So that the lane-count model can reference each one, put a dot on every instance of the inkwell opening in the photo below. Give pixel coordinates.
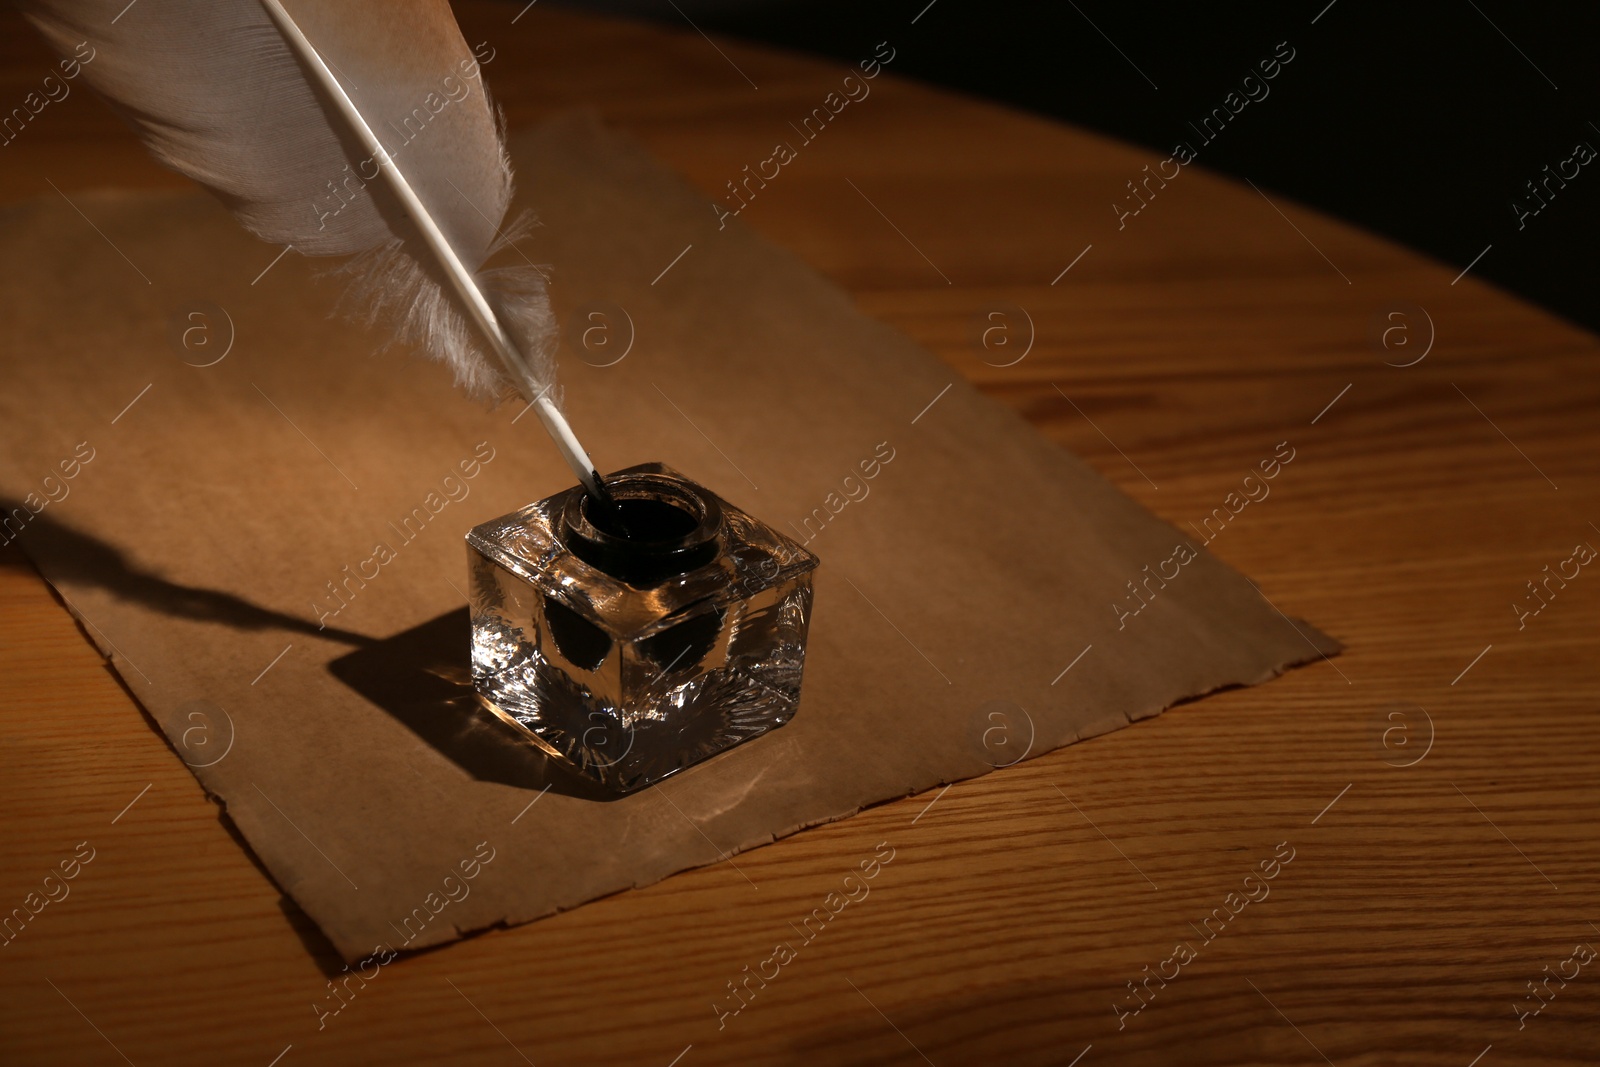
(663, 527)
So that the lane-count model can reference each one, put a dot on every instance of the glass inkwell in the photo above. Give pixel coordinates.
(629, 646)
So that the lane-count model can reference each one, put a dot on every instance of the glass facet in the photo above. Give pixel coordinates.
(696, 647)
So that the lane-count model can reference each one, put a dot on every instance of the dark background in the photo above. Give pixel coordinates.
(1420, 121)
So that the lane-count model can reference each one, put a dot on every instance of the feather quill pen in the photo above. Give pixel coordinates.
(351, 127)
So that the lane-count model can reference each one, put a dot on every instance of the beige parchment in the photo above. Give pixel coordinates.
(211, 509)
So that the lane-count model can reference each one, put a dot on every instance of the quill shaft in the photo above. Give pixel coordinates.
(461, 276)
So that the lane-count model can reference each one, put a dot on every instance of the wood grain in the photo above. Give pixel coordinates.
(1175, 354)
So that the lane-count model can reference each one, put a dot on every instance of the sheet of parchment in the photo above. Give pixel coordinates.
(195, 453)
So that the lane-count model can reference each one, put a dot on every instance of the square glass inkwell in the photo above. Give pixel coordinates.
(632, 644)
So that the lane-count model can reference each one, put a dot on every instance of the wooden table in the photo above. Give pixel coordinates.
(1437, 783)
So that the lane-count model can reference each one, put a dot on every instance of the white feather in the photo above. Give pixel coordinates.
(358, 127)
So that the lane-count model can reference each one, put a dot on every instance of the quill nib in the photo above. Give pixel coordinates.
(608, 503)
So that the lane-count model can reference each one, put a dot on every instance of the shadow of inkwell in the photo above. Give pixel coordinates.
(422, 678)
